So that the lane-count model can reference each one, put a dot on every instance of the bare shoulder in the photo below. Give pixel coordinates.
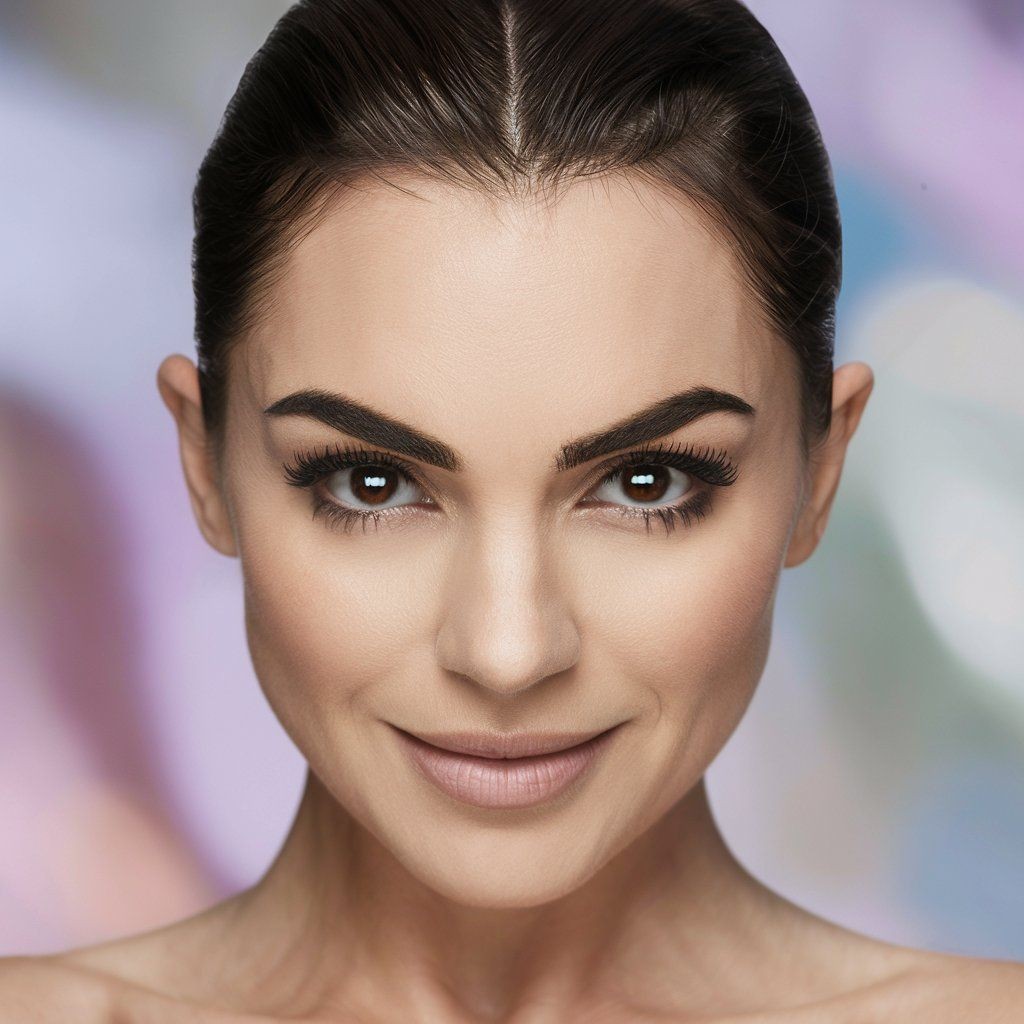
(151, 976)
(859, 978)
(42, 990)
(94, 986)
(960, 988)
(940, 989)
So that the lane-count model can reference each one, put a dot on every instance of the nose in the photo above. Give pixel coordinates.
(506, 623)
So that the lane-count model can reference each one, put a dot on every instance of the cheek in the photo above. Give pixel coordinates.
(328, 617)
(727, 638)
(689, 625)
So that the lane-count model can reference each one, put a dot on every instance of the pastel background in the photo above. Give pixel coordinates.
(878, 778)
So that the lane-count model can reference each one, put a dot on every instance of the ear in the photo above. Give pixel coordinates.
(178, 382)
(851, 387)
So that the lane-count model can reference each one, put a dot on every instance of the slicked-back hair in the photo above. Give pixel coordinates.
(508, 96)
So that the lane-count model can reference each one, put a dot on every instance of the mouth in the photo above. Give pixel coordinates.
(511, 771)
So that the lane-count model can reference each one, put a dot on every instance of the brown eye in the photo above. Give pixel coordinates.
(371, 487)
(644, 484)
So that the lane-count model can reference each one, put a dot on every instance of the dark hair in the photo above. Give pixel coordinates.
(504, 94)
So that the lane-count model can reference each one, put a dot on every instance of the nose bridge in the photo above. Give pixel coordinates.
(507, 624)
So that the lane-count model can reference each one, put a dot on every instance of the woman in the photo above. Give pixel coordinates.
(514, 397)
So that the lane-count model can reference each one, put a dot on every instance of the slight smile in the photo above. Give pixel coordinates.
(511, 771)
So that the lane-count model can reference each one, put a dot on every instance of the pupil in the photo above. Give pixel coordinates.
(646, 483)
(372, 484)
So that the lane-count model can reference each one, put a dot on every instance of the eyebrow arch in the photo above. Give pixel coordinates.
(358, 420)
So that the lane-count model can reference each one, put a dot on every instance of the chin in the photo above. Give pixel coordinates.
(501, 868)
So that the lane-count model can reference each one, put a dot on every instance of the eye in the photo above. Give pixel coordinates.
(645, 484)
(654, 479)
(352, 485)
(371, 487)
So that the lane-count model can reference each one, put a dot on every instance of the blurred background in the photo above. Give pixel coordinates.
(878, 777)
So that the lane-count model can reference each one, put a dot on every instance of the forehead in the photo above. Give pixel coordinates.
(434, 303)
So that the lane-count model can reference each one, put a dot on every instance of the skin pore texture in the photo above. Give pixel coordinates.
(506, 602)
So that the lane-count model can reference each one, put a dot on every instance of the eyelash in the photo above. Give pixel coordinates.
(710, 466)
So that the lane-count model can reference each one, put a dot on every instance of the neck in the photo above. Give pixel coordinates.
(338, 923)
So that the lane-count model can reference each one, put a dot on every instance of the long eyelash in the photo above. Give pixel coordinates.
(310, 467)
(710, 464)
(707, 464)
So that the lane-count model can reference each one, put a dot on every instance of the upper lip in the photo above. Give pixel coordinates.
(505, 745)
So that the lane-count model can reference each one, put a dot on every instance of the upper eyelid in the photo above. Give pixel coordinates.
(353, 456)
(704, 455)
(350, 457)
(659, 452)
(713, 467)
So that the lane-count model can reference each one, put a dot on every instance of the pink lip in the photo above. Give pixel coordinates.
(509, 777)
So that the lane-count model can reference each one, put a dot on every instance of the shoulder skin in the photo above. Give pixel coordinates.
(52, 990)
(969, 989)
(951, 989)
(37, 990)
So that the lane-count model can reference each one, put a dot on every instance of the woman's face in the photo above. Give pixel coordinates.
(510, 587)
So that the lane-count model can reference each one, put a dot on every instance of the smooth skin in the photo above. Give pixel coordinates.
(506, 601)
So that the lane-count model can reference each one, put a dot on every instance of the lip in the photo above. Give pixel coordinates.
(510, 745)
(517, 770)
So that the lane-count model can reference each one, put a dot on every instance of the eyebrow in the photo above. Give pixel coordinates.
(360, 421)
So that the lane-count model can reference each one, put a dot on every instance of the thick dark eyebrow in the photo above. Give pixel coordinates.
(657, 420)
(357, 420)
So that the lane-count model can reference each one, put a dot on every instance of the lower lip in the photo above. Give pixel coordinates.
(503, 782)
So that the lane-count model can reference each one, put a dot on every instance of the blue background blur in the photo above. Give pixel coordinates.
(878, 777)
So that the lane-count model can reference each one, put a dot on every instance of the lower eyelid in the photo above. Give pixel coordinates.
(691, 497)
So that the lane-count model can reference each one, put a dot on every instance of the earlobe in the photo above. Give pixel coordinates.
(852, 384)
(178, 384)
